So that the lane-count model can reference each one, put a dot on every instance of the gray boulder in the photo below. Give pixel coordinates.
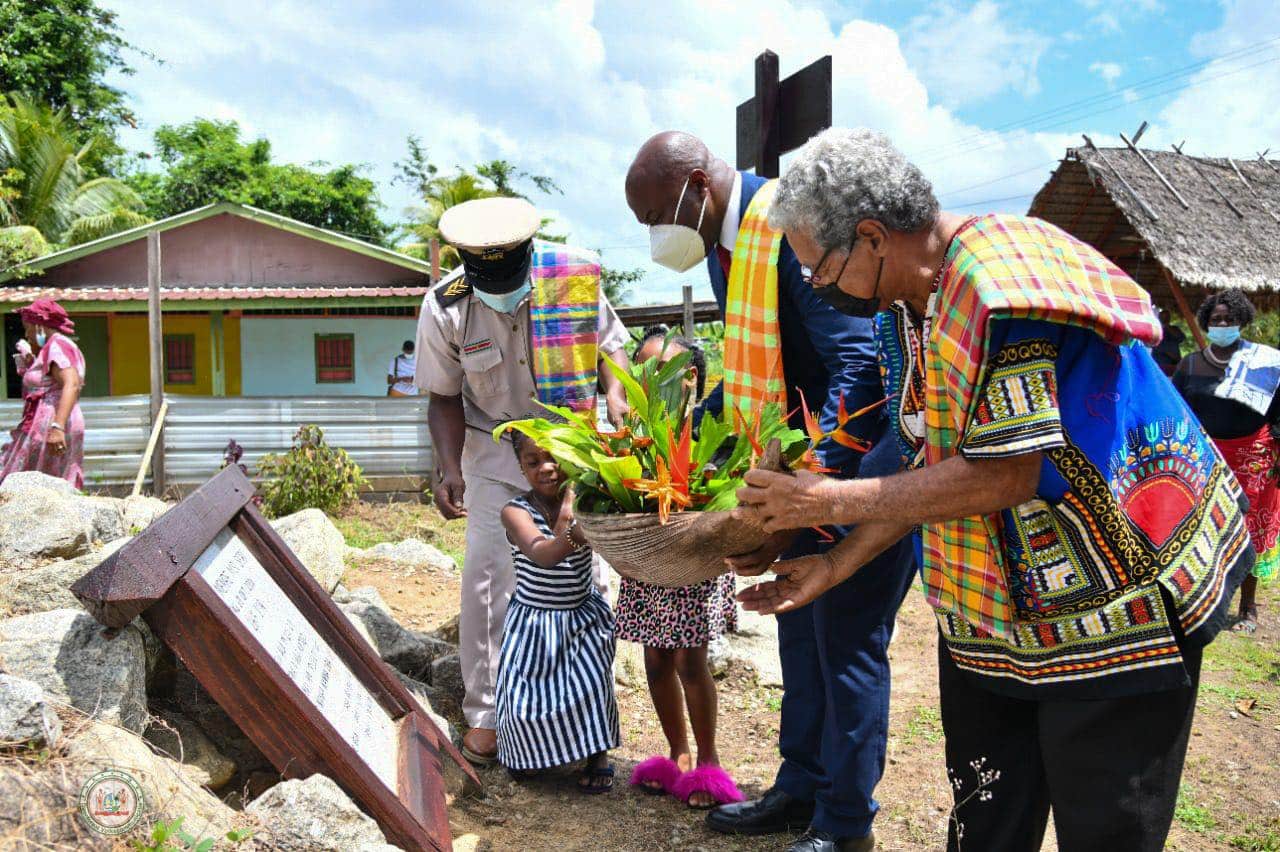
(140, 510)
(79, 662)
(104, 515)
(25, 480)
(170, 789)
(45, 587)
(446, 679)
(40, 810)
(25, 717)
(314, 814)
(428, 698)
(181, 739)
(413, 552)
(316, 542)
(410, 652)
(38, 524)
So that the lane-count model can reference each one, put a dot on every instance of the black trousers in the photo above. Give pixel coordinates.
(1109, 768)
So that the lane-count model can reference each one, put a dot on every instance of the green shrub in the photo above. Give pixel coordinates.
(311, 475)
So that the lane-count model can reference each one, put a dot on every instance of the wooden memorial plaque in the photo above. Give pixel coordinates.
(216, 584)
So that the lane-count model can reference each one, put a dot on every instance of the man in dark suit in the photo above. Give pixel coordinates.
(834, 652)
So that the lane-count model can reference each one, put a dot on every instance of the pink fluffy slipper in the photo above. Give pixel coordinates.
(712, 780)
(657, 768)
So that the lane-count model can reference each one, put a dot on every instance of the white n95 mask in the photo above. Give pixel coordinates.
(678, 247)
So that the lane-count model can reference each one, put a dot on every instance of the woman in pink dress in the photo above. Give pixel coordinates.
(50, 436)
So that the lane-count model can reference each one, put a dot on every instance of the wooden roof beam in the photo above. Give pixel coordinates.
(1146, 208)
(1164, 180)
(1195, 166)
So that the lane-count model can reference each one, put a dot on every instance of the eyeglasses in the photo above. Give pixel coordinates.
(808, 275)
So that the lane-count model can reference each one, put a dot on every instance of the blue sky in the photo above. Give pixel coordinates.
(972, 90)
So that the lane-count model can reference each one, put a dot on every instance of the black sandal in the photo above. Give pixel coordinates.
(590, 774)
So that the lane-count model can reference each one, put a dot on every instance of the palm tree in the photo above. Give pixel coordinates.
(46, 185)
(443, 193)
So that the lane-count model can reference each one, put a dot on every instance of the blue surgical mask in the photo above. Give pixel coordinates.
(41, 337)
(1223, 335)
(505, 303)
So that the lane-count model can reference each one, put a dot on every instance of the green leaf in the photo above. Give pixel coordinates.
(613, 470)
(635, 393)
(711, 434)
(725, 500)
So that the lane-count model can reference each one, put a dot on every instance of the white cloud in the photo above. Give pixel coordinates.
(570, 89)
(1229, 107)
(1108, 71)
(995, 55)
(1106, 23)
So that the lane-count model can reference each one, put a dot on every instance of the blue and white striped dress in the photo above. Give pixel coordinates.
(555, 677)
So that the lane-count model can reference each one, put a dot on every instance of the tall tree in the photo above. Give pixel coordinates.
(59, 52)
(439, 192)
(206, 161)
(45, 187)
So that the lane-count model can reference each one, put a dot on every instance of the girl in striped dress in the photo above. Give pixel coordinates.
(555, 675)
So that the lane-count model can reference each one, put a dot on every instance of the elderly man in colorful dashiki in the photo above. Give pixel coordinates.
(1081, 537)
(524, 321)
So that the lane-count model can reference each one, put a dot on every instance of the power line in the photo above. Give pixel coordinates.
(1074, 119)
(1158, 79)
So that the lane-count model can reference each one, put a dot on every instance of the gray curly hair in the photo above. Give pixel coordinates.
(843, 176)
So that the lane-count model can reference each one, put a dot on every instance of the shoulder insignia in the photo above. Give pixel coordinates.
(453, 291)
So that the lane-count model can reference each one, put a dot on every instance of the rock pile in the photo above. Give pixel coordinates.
(76, 697)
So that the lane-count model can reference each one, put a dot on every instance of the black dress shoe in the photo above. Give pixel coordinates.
(773, 812)
(814, 840)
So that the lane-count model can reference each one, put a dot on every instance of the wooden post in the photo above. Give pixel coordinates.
(688, 311)
(767, 138)
(1183, 308)
(435, 260)
(156, 337)
(218, 353)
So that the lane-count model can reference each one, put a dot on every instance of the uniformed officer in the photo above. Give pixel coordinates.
(476, 354)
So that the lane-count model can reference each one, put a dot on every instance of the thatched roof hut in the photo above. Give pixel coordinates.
(1179, 225)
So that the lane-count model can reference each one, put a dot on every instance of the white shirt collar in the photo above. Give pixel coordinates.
(732, 217)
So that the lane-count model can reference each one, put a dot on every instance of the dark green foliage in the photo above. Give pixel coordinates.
(312, 475)
(59, 52)
(206, 161)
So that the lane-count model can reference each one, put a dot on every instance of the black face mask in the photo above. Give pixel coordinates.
(854, 306)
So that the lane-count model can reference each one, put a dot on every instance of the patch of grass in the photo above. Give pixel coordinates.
(1193, 815)
(365, 524)
(1258, 838)
(925, 724)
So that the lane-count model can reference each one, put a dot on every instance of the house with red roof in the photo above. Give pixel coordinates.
(253, 304)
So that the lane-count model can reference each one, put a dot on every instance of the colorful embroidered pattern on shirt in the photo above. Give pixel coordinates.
(752, 341)
(1013, 267)
(1133, 497)
(564, 316)
(899, 349)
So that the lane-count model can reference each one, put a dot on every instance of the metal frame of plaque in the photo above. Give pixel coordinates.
(340, 708)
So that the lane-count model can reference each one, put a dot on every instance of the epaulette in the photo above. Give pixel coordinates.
(452, 291)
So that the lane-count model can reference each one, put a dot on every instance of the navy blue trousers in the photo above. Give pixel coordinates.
(835, 694)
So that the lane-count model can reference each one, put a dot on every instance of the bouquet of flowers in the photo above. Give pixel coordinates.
(653, 496)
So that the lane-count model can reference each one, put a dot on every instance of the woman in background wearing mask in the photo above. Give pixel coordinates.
(1231, 386)
(50, 436)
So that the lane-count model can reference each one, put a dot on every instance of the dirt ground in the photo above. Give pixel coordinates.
(1230, 794)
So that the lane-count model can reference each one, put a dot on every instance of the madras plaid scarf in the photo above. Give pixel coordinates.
(1004, 267)
(752, 342)
(564, 318)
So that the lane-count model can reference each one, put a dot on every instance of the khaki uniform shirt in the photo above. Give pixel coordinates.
(465, 347)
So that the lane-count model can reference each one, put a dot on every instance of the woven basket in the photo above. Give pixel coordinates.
(689, 548)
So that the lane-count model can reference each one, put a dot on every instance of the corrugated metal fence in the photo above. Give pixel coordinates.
(385, 436)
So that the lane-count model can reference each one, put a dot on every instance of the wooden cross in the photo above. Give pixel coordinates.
(783, 115)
